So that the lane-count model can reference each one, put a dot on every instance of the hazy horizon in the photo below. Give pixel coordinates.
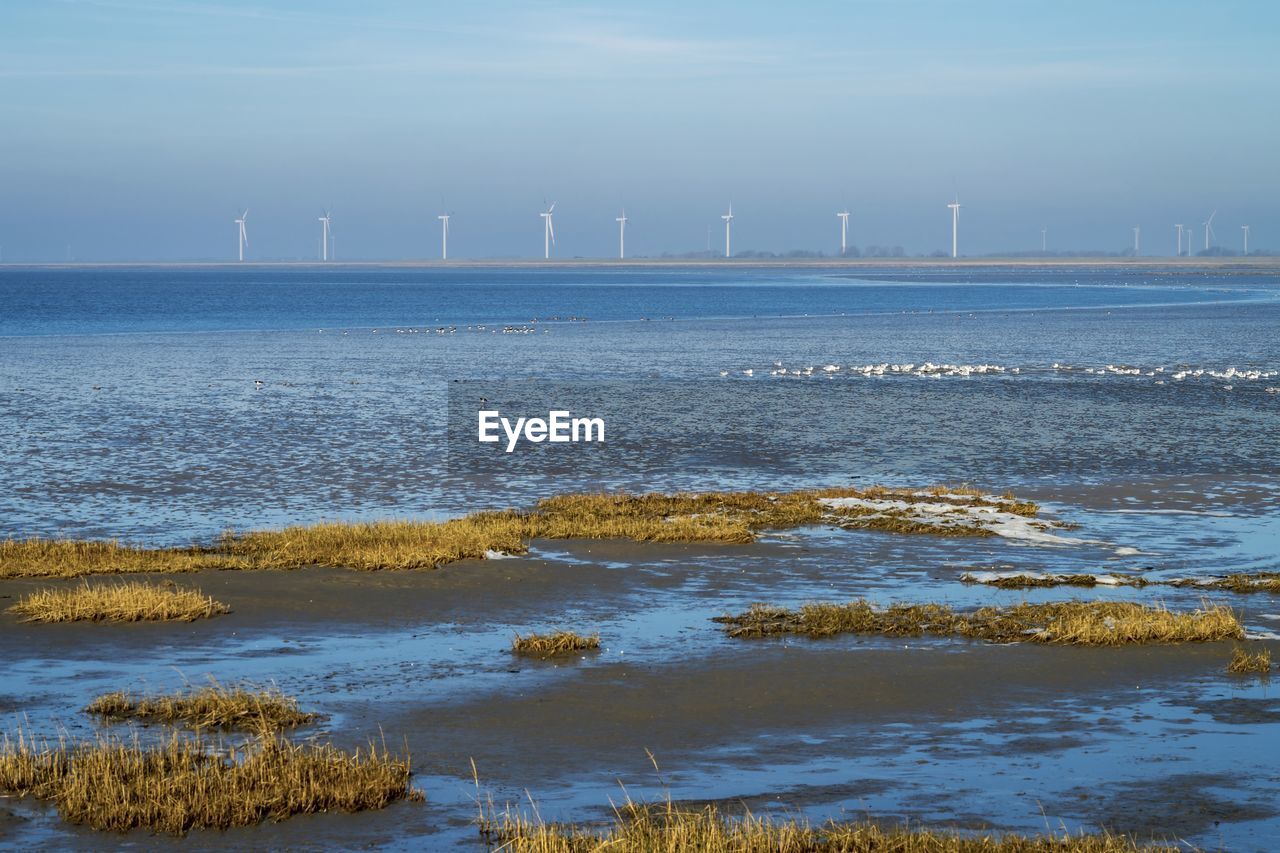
(137, 130)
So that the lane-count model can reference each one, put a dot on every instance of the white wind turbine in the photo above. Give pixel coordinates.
(1044, 238)
(1245, 229)
(843, 216)
(1137, 239)
(1179, 252)
(955, 226)
(548, 232)
(622, 234)
(444, 235)
(728, 225)
(1208, 230)
(244, 237)
(326, 234)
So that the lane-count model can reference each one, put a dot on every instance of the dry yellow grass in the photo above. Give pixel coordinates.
(118, 602)
(1051, 580)
(1244, 663)
(636, 829)
(1240, 582)
(556, 643)
(1093, 623)
(213, 707)
(183, 784)
(725, 517)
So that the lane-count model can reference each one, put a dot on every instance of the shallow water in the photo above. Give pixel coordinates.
(129, 408)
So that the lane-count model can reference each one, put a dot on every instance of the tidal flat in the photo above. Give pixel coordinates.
(847, 727)
(1137, 408)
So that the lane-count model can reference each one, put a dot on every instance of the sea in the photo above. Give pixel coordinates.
(1139, 405)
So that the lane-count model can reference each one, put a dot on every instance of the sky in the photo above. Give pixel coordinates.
(137, 129)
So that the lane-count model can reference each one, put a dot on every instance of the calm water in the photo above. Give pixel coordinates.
(166, 405)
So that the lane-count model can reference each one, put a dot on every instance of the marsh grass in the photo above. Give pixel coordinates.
(668, 827)
(554, 644)
(717, 517)
(1244, 663)
(1050, 580)
(1257, 582)
(1095, 623)
(242, 707)
(134, 601)
(185, 784)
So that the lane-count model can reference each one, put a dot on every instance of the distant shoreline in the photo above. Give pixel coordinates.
(1223, 264)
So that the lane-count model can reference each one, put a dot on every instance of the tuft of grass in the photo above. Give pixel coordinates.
(118, 602)
(553, 644)
(213, 707)
(722, 517)
(1244, 663)
(1240, 582)
(1051, 580)
(183, 784)
(1095, 623)
(641, 829)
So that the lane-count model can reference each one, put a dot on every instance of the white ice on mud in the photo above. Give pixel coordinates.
(944, 514)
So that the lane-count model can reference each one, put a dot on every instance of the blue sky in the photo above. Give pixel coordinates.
(134, 129)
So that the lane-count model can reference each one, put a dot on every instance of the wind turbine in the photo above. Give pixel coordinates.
(1208, 229)
(1245, 229)
(955, 226)
(728, 224)
(844, 230)
(444, 236)
(326, 234)
(1137, 239)
(622, 234)
(1179, 252)
(1044, 238)
(548, 232)
(244, 237)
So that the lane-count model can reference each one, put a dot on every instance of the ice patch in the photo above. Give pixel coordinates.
(945, 515)
(1261, 635)
(498, 555)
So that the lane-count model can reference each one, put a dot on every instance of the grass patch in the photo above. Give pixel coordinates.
(213, 707)
(724, 517)
(1244, 663)
(638, 829)
(1094, 623)
(551, 645)
(1257, 582)
(1029, 581)
(118, 602)
(182, 784)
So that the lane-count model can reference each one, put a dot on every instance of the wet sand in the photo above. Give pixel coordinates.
(1149, 740)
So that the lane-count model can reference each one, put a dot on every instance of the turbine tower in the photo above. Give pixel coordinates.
(1044, 238)
(844, 231)
(326, 235)
(622, 234)
(728, 225)
(548, 232)
(1137, 240)
(244, 237)
(1208, 229)
(955, 226)
(444, 236)
(1245, 229)
(1178, 253)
